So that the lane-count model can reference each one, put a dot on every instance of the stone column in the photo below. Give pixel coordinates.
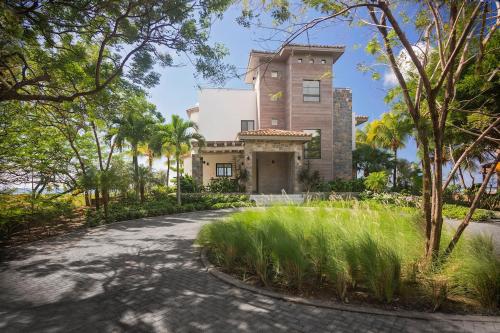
(297, 166)
(197, 168)
(248, 162)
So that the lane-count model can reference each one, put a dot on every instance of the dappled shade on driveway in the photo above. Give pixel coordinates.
(145, 276)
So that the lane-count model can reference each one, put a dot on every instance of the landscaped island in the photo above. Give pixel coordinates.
(354, 252)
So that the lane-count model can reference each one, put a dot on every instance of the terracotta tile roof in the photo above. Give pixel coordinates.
(361, 119)
(321, 46)
(273, 132)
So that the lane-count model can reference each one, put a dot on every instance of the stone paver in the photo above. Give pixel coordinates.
(145, 276)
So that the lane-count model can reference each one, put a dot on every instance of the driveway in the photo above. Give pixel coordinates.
(145, 276)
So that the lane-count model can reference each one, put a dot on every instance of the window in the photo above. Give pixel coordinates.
(247, 125)
(323, 61)
(310, 89)
(223, 169)
(274, 122)
(311, 61)
(299, 60)
(312, 149)
(275, 74)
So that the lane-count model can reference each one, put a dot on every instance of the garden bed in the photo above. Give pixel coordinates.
(360, 256)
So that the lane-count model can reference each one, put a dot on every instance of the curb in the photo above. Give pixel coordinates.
(211, 269)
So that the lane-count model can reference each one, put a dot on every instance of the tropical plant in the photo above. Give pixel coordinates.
(376, 181)
(180, 133)
(390, 132)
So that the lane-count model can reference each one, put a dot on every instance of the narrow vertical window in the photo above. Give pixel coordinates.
(323, 61)
(274, 122)
(275, 74)
(299, 60)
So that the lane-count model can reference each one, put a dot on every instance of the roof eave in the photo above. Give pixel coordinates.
(274, 138)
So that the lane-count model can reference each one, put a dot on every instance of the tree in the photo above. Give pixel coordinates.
(135, 126)
(180, 133)
(62, 50)
(390, 132)
(428, 65)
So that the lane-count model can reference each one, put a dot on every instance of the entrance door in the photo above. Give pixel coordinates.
(273, 172)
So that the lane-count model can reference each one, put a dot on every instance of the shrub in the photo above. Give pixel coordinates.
(188, 185)
(339, 185)
(223, 185)
(309, 179)
(458, 212)
(376, 181)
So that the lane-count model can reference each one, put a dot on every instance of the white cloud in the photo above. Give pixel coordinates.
(405, 64)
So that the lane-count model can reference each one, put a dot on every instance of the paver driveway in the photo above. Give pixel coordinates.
(144, 276)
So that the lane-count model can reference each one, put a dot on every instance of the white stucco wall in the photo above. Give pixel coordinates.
(222, 110)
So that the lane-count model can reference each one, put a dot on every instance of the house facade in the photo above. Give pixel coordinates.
(292, 117)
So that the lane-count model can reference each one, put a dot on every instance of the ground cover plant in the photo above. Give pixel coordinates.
(367, 252)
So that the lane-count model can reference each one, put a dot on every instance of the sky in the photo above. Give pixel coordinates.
(178, 88)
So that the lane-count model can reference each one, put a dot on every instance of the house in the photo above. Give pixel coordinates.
(292, 117)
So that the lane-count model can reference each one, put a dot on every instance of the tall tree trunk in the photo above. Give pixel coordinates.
(135, 161)
(179, 202)
(395, 172)
(105, 203)
(437, 199)
(87, 198)
(97, 203)
(168, 170)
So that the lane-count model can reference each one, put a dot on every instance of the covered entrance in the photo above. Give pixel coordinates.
(273, 159)
(273, 172)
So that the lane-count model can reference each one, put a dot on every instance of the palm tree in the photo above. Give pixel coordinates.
(145, 149)
(180, 133)
(390, 132)
(135, 127)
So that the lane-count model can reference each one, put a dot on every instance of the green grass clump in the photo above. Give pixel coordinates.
(347, 246)
(294, 246)
(474, 271)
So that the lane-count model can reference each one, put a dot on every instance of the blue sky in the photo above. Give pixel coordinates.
(178, 88)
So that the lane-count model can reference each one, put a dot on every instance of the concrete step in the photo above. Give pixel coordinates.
(270, 199)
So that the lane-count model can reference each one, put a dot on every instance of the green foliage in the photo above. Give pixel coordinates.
(294, 247)
(453, 211)
(19, 212)
(188, 185)
(376, 181)
(223, 185)
(308, 178)
(340, 185)
(75, 49)
(128, 210)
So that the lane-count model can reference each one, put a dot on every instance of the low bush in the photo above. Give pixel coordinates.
(223, 185)
(452, 211)
(376, 181)
(340, 185)
(127, 210)
(19, 212)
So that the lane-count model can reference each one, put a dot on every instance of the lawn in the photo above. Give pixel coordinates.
(368, 253)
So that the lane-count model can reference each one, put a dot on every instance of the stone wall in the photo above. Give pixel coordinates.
(342, 133)
(197, 169)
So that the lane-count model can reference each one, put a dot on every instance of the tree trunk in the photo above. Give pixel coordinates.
(395, 173)
(472, 209)
(87, 198)
(97, 204)
(168, 170)
(437, 199)
(105, 203)
(179, 202)
(135, 161)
